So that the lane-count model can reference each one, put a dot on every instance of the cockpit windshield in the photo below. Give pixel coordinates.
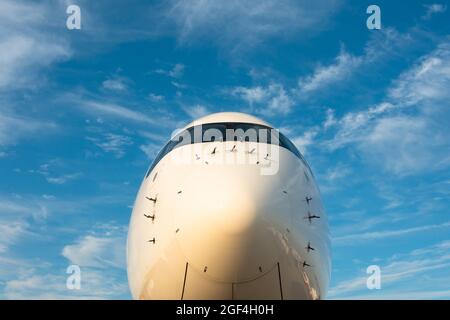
(230, 131)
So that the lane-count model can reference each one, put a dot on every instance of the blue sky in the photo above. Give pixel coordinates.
(83, 113)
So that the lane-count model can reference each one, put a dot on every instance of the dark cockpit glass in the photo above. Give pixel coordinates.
(232, 131)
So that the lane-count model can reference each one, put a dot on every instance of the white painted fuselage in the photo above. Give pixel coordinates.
(212, 221)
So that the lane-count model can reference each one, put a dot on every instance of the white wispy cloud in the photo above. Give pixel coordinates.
(251, 95)
(119, 111)
(432, 9)
(352, 125)
(10, 232)
(16, 207)
(156, 97)
(346, 222)
(52, 172)
(15, 289)
(242, 25)
(101, 248)
(427, 81)
(400, 268)
(62, 179)
(178, 85)
(303, 141)
(274, 98)
(267, 100)
(176, 72)
(14, 127)
(410, 118)
(323, 76)
(330, 119)
(27, 43)
(196, 111)
(16, 219)
(42, 284)
(118, 84)
(381, 46)
(338, 172)
(357, 238)
(100, 253)
(111, 142)
(395, 141)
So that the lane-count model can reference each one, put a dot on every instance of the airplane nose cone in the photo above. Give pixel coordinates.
(225, 206)
(223, 226)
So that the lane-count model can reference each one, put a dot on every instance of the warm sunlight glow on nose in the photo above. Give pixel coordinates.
(228, 207)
